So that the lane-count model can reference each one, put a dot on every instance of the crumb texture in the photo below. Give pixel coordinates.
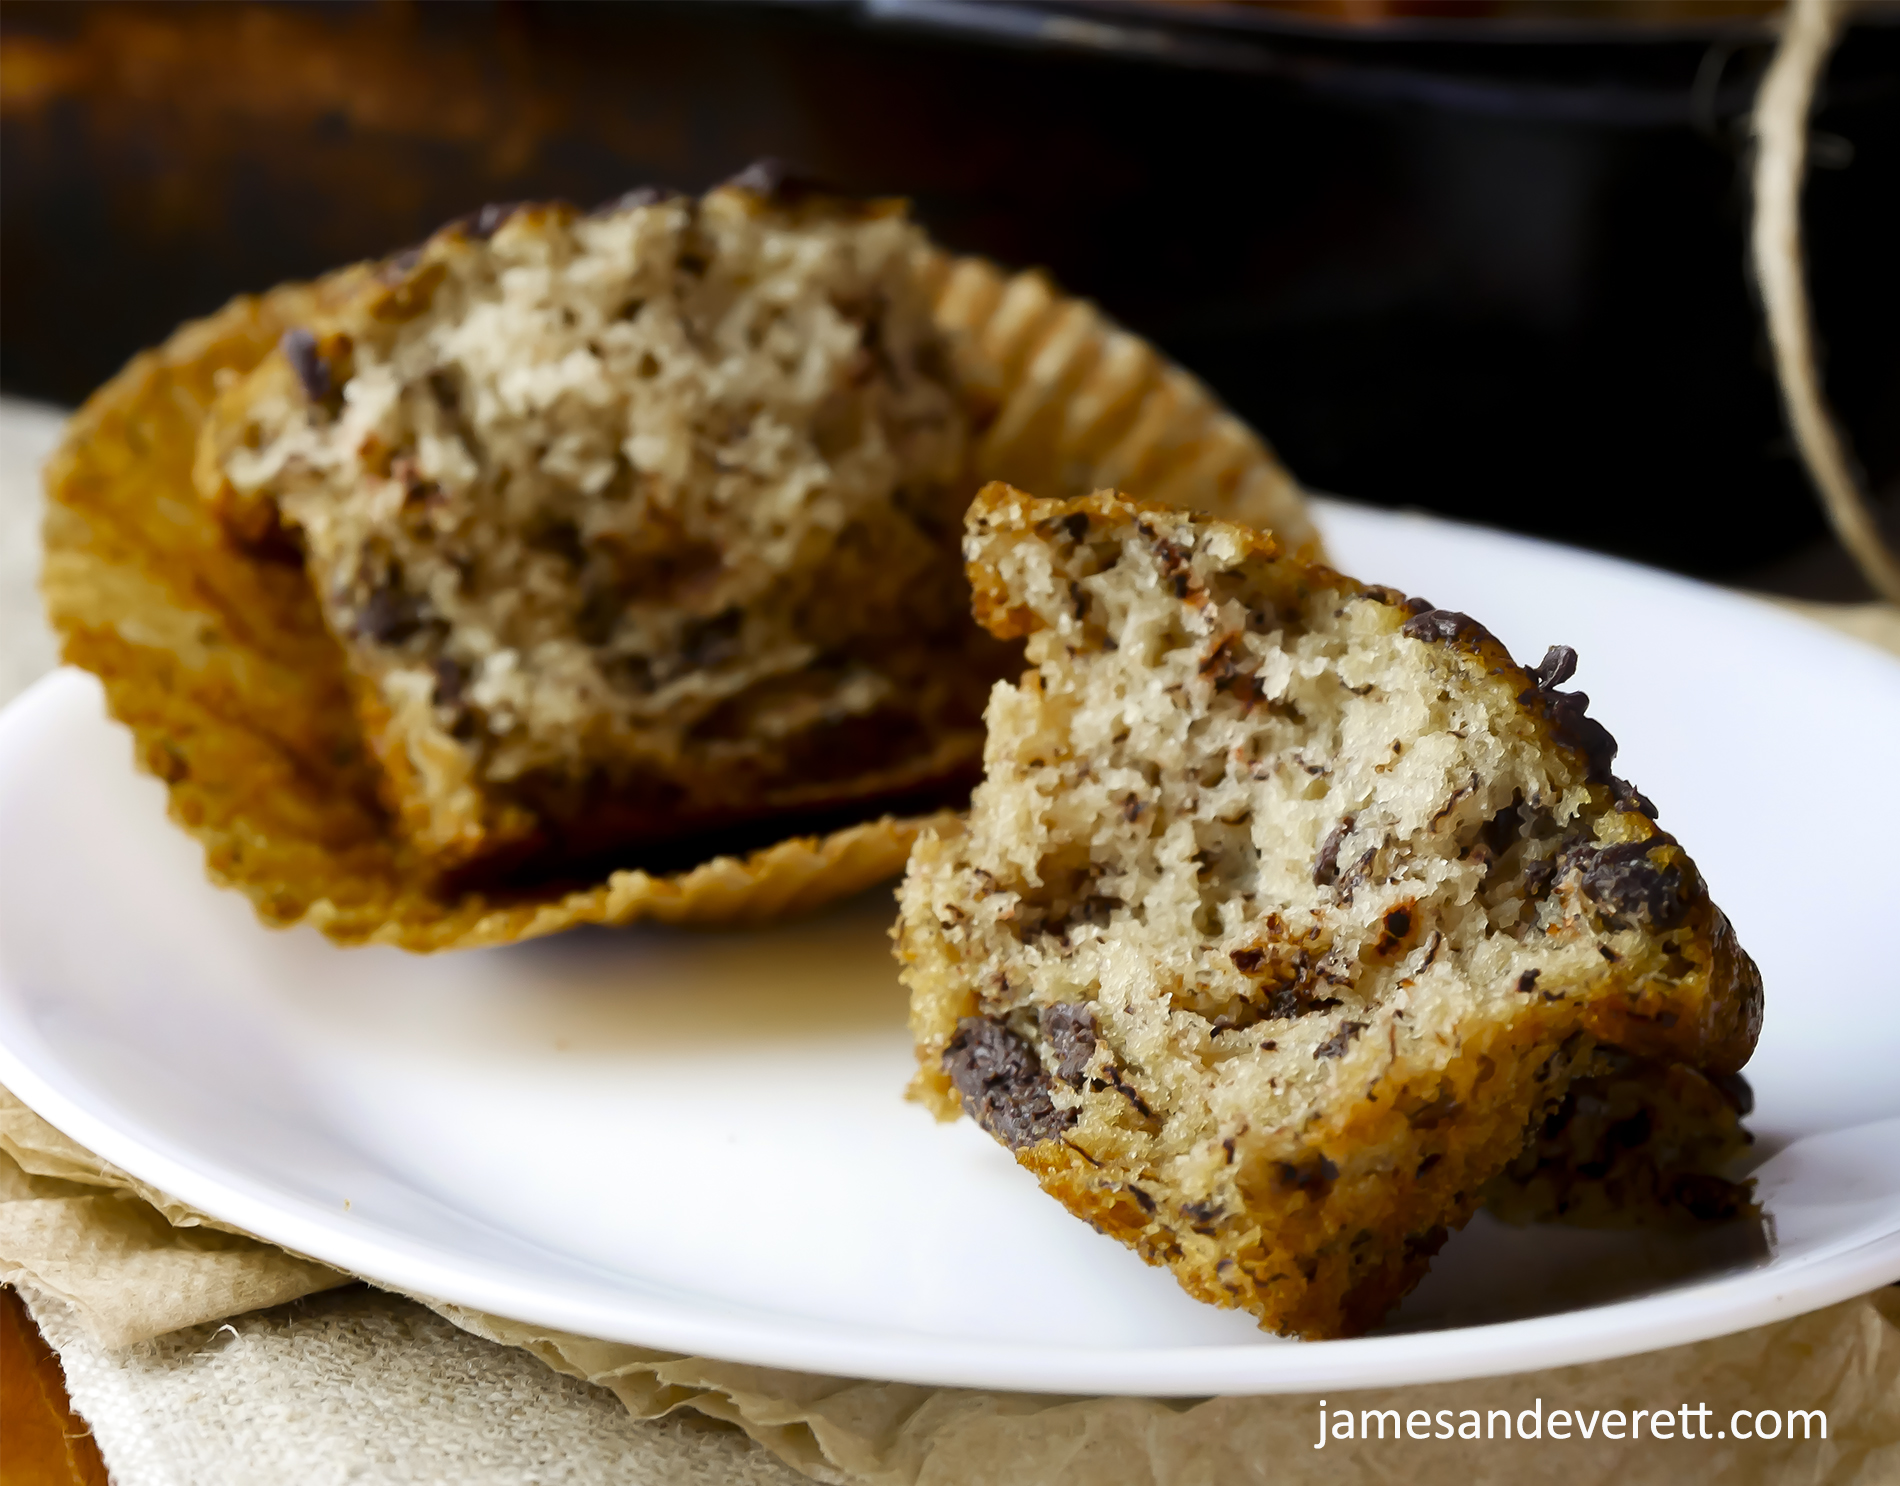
(1286, 906)
(630, 523)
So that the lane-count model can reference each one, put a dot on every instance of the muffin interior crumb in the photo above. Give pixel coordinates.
(655, 507)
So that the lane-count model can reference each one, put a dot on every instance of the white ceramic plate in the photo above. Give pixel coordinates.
(698, 1142)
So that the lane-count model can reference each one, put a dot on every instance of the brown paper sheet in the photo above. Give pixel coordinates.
(136, 1264)
(132, 1261)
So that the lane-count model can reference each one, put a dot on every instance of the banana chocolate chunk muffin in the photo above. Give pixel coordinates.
(633, 526)
(1287, 907)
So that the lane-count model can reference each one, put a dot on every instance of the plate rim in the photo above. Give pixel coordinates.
(1674, 1316)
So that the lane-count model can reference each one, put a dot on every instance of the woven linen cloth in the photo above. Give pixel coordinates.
(354, 1385)
(348, 1383)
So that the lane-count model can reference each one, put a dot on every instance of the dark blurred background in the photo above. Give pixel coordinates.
(1478, 264)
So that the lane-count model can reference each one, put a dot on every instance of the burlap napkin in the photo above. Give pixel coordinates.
(306, 1381)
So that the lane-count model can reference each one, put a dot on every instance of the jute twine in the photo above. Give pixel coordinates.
(1809, 32)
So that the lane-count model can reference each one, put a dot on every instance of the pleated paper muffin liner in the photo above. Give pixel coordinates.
(1067, 402)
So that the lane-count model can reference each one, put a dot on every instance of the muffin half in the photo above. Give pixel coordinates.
(632, 527)
(1287, 906)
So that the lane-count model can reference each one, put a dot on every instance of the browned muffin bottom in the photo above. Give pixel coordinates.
(1286, 908)
(638, 529)
(1634, 1142)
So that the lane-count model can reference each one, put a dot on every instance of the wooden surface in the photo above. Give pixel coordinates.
(42, 1441)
